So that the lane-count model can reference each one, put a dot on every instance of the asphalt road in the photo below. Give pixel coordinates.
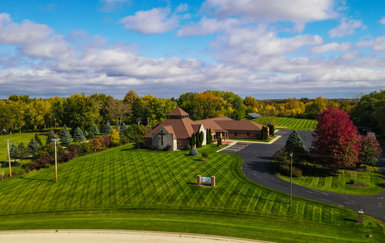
(256, 167)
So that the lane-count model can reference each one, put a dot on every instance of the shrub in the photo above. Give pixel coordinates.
(114, 137)
(281, 163)
(51, 135)
(219, 143)
(94, 129)
(193, 151)
(370, 150)
(105, 141)
(167, 148)
(84, 149)
(187, 147)
(265, 133)
(205, 154)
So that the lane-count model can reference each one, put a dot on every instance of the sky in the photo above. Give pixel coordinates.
(265, 49)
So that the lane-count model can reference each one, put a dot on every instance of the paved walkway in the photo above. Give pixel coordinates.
(256, 166)
(110, 236)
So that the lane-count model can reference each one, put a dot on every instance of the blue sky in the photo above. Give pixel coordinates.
(266, 49)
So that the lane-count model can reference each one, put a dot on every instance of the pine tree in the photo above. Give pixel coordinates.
(78, 135)
(88, 135)
(38, 140)
(14, 151)
(108, 128)
(295, 143)
(123, 128)
(94, 129)
(271, 129)
(200, 139)
(51, 135)
(33, 145)
(65, 137)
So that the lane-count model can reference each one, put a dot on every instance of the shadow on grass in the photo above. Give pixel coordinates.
(36, 179)
(350, 220)
(381, 185)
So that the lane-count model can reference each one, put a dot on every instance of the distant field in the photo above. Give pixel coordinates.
(289, 123)
(16, 138)
(124, 188)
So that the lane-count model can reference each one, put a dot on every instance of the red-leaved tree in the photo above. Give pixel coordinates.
(336, 142)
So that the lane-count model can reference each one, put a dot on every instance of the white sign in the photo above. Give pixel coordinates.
(205, 179)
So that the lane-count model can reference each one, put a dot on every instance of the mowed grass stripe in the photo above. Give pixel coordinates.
(289, 123)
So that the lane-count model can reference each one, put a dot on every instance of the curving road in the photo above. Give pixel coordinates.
(256, 167)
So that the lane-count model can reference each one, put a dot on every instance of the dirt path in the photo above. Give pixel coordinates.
(109, 236)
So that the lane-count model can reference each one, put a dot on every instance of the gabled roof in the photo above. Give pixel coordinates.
(239, 125)
(182, 128)
(177, 112)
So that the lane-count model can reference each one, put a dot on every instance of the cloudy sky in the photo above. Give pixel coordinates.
(266, 49)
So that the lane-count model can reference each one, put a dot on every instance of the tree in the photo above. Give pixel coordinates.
(108, 128)
(208, 105)
(94, 129)
(115, 137)
(135, 134)
(271, 129)
(130, 97)
(123, 128)
(265, 133)
(80, 111)
(38, 140)
(13, 152)
(209, 137)
(51, 135)
(78, 135)
(33, 145)
(65, 137)
(118, 110)
(335, 141)
(295, 145)
(370, 150)
(200, 136)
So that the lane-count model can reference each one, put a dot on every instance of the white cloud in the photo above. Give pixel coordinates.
(154, 21)
(382, 21)
(345, 28)
(331, 47)
(207, 26)
(377, 44)
(297, 11)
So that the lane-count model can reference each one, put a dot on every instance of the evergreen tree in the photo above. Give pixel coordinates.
(38, 140)
(295, 143)
(123, 128)
(94, 129)
(33, 145)
(265, 133)
(108, 128)
(219, 143)
(200, 139)
(86, 135)
(14, 151)
(271, 129)
(117, 128)
(51, 135)
(65, 137)
(78, 135)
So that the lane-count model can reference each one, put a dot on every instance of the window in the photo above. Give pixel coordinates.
(235, 134)
(248, 134)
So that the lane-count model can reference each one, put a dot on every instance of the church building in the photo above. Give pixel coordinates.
(176, 131)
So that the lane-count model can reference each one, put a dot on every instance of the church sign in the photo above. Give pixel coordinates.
(205, 179)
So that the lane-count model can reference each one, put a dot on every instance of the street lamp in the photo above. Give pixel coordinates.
(55, 140)
(291, 176)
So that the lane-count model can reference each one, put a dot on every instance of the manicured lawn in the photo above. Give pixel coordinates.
(16, 138)
(254, 140)
(123, 188)
(289, 123)
(337, 183)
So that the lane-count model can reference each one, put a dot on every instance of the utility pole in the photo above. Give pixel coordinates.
(55, 140)
(291, 178)
(9, 160)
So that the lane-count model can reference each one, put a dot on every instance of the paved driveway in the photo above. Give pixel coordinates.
(256, 167)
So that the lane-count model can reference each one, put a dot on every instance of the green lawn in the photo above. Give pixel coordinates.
(123, 188)
(337, 183)
(289, 123)
(16, 138)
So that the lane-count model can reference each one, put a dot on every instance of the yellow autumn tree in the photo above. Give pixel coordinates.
(115, 137)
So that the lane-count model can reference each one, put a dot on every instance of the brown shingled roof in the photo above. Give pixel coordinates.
(177, 112)
(239, 125)
(182, 127)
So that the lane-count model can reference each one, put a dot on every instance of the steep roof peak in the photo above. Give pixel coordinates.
(178, 112)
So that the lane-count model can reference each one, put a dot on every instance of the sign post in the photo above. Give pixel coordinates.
(198, 180)
(204, 180)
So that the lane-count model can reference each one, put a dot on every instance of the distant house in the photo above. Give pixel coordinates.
(176, 131)
(253, 115)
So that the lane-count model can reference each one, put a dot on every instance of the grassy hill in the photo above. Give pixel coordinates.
(16, 138)
(123, 188)
(289, 123)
